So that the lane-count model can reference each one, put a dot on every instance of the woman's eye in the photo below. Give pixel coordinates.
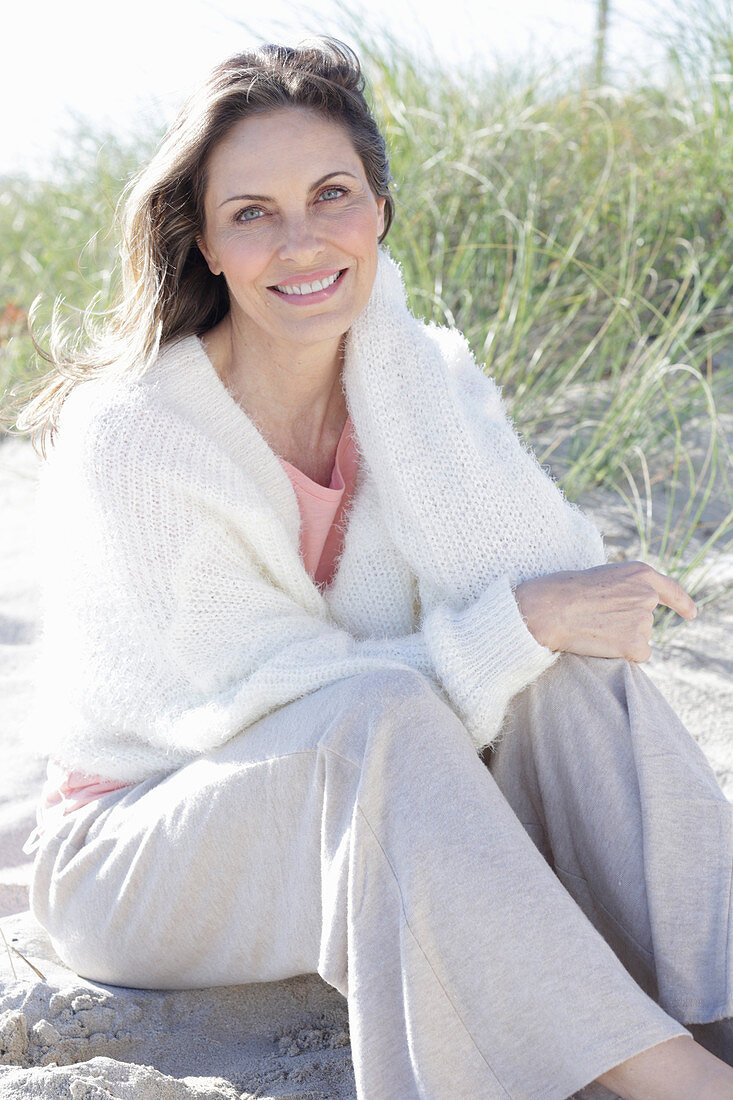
(250, 214)
(333, 192)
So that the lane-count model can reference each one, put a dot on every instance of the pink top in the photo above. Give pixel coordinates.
(322, 509)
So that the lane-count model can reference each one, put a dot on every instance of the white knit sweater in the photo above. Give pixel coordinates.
(177, 610)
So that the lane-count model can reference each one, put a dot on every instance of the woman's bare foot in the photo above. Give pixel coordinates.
(678, 1069)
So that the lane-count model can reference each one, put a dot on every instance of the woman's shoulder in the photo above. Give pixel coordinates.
(113, 409)
(174, 427)
(472, 385)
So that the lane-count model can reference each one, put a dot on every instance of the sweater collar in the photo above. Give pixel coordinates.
(201, 395)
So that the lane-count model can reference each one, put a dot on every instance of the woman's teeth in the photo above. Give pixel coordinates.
(310, 288)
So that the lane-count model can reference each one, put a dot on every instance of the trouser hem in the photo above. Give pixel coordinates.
(621, 1050)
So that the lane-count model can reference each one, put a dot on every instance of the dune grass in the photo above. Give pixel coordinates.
(579, 236)
(57, 238)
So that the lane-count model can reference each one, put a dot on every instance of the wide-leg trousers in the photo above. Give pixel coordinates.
(506, 926)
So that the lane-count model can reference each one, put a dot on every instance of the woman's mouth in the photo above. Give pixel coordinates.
(315, 290)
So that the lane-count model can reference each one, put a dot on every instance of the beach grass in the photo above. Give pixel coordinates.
(579, 235)
(57, 240)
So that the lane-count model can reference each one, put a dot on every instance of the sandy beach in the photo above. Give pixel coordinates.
(62, 1036)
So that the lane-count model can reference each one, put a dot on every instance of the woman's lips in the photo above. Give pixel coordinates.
(315, 295)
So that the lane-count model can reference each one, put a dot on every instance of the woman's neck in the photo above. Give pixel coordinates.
(296, 400)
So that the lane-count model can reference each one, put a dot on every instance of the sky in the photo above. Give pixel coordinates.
(118, 64)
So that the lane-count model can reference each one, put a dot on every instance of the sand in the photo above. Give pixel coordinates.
(62, 1036)
(67, 1036)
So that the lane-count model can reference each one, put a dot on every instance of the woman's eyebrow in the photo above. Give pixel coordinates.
(266, 198)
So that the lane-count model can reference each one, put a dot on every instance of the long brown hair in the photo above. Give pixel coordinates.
(167, 290)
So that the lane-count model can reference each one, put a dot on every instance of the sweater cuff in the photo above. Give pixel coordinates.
(483, 656)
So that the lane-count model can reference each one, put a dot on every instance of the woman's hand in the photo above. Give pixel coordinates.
(606, 611)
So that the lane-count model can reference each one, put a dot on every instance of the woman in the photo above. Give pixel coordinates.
(299, 570)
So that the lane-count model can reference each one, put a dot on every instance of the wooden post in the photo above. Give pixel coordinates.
(601, 36)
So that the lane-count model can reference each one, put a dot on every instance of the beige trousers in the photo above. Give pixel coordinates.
(510, 930)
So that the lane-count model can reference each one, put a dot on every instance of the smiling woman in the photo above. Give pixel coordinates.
(292, 225)
(335, 678)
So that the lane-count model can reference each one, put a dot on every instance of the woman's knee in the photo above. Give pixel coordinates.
(383, 686)
(574, 692)
(388, 704)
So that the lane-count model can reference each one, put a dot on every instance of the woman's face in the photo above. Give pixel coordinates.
(292, 224)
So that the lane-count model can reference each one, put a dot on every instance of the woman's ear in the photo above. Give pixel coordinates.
(206, 253)
(381, 203)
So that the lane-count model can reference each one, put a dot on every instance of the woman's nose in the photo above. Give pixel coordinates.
(300, 241)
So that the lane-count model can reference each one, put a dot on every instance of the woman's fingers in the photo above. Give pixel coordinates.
(669, 592)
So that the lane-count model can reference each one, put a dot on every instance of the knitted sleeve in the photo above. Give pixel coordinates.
(481, 648)
(467, 504)
(555, 533)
